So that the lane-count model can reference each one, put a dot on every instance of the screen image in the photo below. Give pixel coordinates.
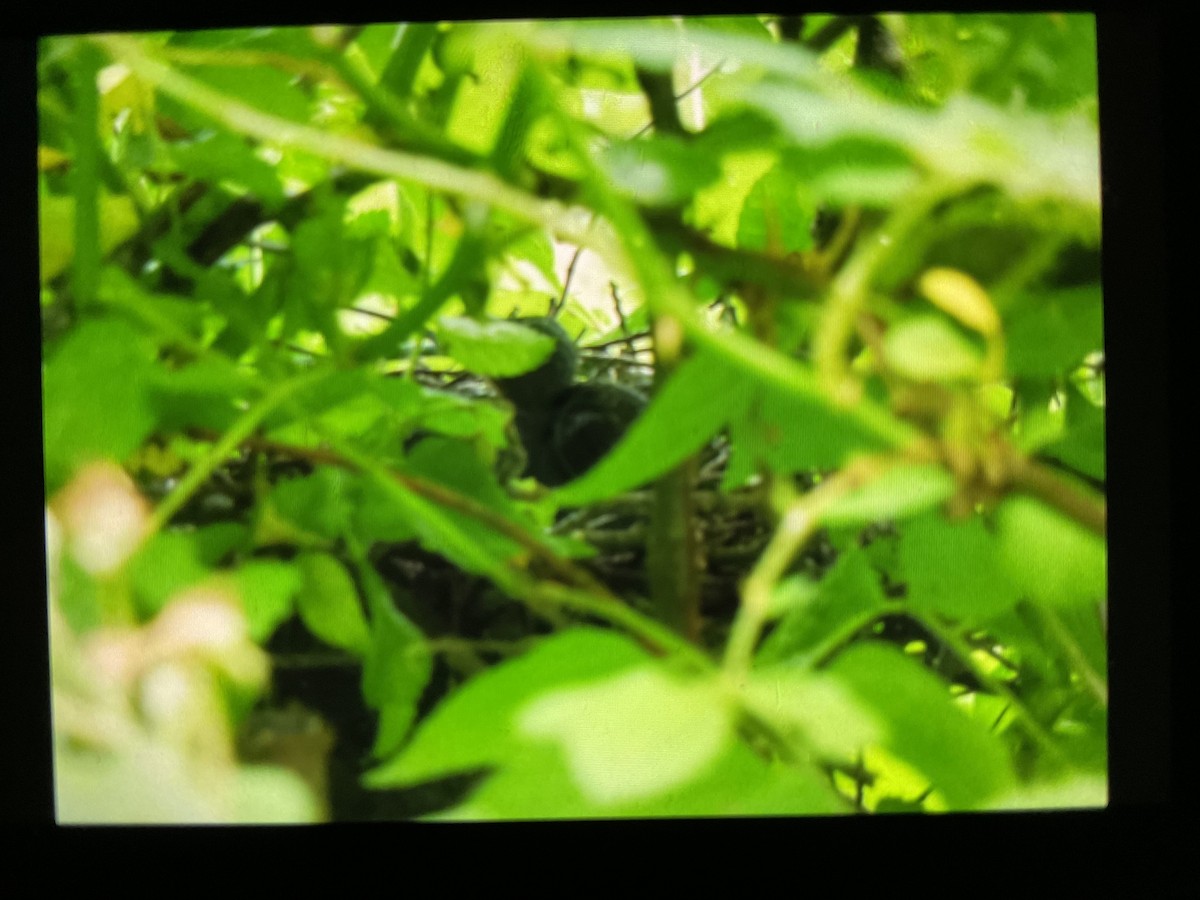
(574, 419)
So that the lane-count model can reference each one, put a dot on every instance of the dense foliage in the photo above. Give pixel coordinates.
(850, 556)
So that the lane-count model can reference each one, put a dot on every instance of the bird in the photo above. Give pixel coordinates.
(566, 427)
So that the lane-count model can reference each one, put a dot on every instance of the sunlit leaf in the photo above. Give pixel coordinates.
(961, 759)
(901, 491)
(476, 726)
(497, 348)
(930, 349)
(635, 735)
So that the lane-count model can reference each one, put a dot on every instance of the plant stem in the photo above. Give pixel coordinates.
(799, 522)
(1042, 482)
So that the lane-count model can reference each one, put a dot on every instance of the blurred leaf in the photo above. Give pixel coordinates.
(638, 734)
(321, 503)
(476, 726)
(1049, 334)
(1047, 60)
(214, 542)
(958, 294)
(498, 348)
(267, 589)
(146, 784)
(56, 229)
(456, 465)
(222, 157)
(852, 170)
(955, 569)
(1035, 157)
(928, 348)
(1078, 792)
(534, 251)
(1082, 446)
(265, 88)
(202, 394)
(902, 491)
(834, 721)
(962, 760)
(1052, 558)
(481, 103)
(538, 785)
(94, 396)
(328, 603)
(787, 431)
(165, 564)
(271, 795)
(660, 170)
(777, 216)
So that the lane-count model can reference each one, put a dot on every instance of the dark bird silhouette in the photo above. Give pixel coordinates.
(564, 426)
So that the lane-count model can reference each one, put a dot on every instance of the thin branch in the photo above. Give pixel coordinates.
(436, 493)
(1043, 482)
(562, 300)
(799, 522)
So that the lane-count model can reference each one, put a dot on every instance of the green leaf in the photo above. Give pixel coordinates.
(955, 569)
(476, 726)
(269, 795)
(902, 491)
(634, 735)
(827, 716)
(265, 88)
(454, 415)
(397, 666)
(778, 214)
(498, 349)
(539, 785)
(328, 603)
(658, 171)
(788, 431)
(1048, 59)
(481, 104)
(850, 170)
(929, 348)
(1082, 447)
(1052, 558)
(202, 394)
(94, 397)
(1049, 334)
(1074, 792)
(846, 599)
(458, 535)
(321, 503)
(678, 421)
(214, 542)
(165, 565)
(222, 157)
(56, 228)
(963, 761)
(267, 589)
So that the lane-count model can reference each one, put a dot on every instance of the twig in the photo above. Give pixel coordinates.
(437, 493)
(1042, 482)
(562, 300)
